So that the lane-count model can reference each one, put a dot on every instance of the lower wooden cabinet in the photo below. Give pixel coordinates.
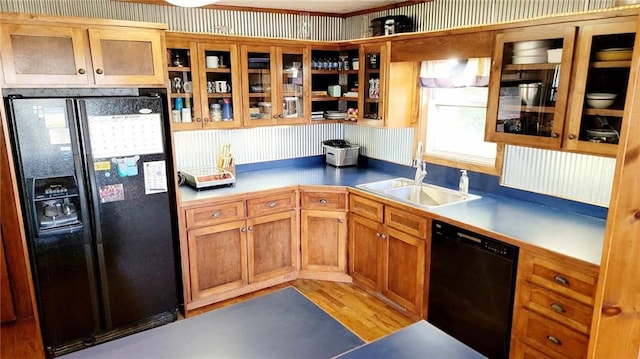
(323, 234)
(272, 250)
(230, 254)
(553, 306)
(383, 258)
(217, 259)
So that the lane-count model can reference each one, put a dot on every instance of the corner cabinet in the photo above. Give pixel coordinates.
(388, 90)
(80, 55)
(274, 85)
(537, 100)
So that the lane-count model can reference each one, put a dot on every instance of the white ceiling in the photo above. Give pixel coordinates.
(320, 6)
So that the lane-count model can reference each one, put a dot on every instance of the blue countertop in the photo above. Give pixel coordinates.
(419, 340)
(575, 235)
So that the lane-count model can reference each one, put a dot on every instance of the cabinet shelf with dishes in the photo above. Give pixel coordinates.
(576, 104)
(332, 76)
(204, 83)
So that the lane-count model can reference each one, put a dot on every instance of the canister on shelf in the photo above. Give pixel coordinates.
(215, 112)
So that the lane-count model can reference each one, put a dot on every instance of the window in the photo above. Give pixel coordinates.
(453, 123)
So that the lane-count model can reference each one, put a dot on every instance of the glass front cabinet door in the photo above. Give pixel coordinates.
(373, 60)
(274, 80)
(220, 89)
(600, 87)
(529, 86)
(182, 65)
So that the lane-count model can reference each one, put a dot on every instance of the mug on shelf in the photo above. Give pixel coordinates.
(212, 62)
(222, 87)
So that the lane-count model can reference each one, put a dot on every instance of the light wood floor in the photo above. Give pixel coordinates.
(364, 314)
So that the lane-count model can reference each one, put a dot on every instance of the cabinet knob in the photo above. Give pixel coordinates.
(274, 116)
(99, 71)
(571, 136)
(340, 220)
(378, 234)
(198, 119)
(206, 119)
(243, 229)
(554, 340)
(215, 214)
(250, 228)
(560, 279)
(557, 308)
(383, 236)
(82, 71)
(272, 204)
(323, 201)
(280, 116)
(554, 135)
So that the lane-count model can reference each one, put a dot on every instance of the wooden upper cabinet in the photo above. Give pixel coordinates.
(34, 54)
(58, 54)
(126, 56)
(389, 90)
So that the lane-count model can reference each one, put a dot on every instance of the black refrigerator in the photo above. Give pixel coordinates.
(99, 212)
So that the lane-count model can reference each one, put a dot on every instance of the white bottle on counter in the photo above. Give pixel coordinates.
(463, 187)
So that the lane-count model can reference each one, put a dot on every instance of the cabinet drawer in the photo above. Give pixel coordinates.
(520, 350)
(366, 208)
(549, 336)
(562, 309)
(215, 214)
(323, 200)
(279, 202)
(406, 222)
(569, 278)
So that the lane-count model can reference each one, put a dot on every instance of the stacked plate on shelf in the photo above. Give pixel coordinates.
(335, 115)
(531, 52)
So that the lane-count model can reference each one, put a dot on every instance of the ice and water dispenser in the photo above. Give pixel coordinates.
(56, 205)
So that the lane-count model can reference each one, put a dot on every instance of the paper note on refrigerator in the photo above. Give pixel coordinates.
(155, 177)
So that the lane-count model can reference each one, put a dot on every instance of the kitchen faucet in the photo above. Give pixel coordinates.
(420, 165)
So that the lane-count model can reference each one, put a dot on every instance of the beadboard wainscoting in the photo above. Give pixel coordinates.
(252, 145)
(574, 176)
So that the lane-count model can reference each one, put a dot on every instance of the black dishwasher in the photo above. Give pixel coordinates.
(471, 288)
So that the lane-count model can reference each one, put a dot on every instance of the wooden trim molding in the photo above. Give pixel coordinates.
(287, 11)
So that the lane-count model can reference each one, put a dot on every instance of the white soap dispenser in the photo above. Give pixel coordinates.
(463, 187)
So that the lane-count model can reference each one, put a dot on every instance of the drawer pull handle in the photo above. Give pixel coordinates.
(323, 201)
(557, 308)
(215, 214)
(272, 204)
(560, 279)
(554, 340)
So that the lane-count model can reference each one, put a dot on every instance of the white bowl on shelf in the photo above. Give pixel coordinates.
(541, 51)
(600, 99)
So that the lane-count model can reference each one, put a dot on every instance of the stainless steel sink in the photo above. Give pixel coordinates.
(425, 195)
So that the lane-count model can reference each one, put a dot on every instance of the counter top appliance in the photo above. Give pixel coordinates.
(99, 212)
(207, 177)
(340, 153)
(471, 288)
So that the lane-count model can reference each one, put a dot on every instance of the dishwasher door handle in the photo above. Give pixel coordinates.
(471, 238)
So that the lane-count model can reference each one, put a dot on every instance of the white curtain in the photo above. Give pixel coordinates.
(455, 73)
